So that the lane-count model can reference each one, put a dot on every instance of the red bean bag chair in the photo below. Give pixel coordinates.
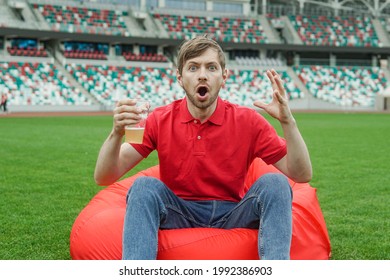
(97, 231)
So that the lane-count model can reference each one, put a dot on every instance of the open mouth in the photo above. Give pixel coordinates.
(202, 91)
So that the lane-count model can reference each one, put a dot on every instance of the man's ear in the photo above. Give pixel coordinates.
(225, 75)
(179, 78)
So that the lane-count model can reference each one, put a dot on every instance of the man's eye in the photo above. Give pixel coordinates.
(212, 68)
(193, 68)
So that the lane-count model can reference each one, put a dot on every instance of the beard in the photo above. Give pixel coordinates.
(199, 103)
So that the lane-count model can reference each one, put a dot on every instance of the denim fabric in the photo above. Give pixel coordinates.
(152, 205)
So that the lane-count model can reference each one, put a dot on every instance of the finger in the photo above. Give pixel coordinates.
(127, 101)
(123, 120)
(271, 78)
(278, 96)
(125, 116)
(276, 75)
(126, 122)
(126, 109)
(260, 104)
(280, 85)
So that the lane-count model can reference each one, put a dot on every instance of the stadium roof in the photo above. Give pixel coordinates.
(373, 7)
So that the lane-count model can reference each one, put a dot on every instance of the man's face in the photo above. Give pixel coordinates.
(202, 77)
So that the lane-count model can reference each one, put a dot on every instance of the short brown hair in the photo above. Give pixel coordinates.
(197, 46)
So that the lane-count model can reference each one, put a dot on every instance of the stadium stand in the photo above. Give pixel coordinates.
(110, 83)
(246, 86)
(225, 29)
(148, 57)
(27, 52)
(84, 20)
(38, 84)
(335, 31)
(345, 86)
(85, 54)
(94, 52)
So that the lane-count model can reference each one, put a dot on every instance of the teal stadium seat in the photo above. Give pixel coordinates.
(246, 86)
(224, 29)
(84, 20)
(335, 31)
(39, 84)
(344, 85)
(111, 83)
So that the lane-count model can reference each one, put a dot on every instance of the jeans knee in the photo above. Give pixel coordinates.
(276, 185)
(144, 188)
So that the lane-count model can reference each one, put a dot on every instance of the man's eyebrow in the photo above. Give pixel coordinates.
(192, 62)
(197, 63)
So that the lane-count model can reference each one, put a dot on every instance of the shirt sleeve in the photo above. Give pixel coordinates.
(270, 147)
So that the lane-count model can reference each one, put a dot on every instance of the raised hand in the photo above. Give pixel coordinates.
(278, 108)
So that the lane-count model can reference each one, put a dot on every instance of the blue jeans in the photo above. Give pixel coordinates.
(151, 206)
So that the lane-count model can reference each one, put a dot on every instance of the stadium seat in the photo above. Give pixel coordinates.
(335, 31)
(91, 54)
(97, 231)
(27, 52)
(39, 84)
(84, 20)
(111, 83)
(150, 57)
(350, 86)
(246, 86)
(238, 30)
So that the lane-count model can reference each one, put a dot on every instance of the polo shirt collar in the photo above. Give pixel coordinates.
(216, 118)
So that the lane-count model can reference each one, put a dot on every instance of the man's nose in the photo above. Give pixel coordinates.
(202, 73)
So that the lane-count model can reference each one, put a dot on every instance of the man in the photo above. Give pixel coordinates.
(4, 99)
(205, 147)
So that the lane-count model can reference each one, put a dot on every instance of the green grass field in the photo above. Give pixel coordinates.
(47, 164)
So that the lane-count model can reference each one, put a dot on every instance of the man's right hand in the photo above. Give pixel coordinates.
(125, 113)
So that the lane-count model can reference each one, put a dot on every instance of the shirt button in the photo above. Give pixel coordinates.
(195, 121)
(199, 137)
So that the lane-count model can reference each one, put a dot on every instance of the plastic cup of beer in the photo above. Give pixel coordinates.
(135, 133)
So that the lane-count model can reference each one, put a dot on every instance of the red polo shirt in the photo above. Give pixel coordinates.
(209, 161)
